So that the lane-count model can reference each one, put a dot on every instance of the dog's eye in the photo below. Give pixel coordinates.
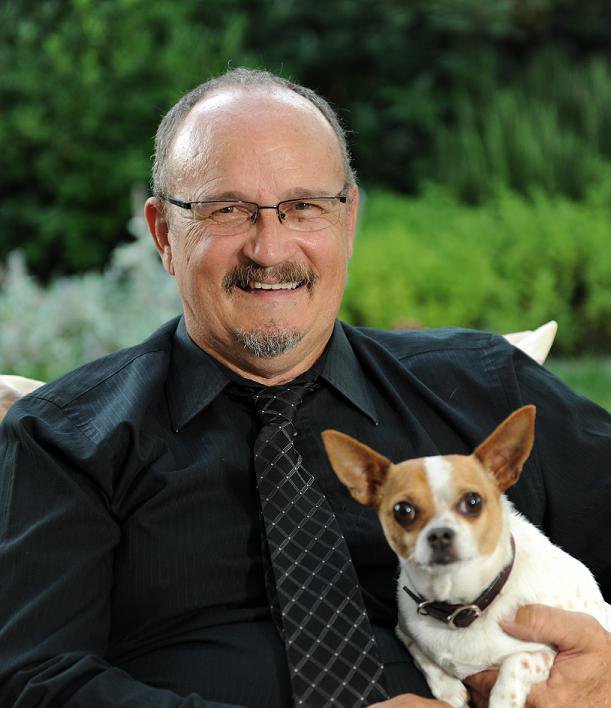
(470, 504)
(404, 512)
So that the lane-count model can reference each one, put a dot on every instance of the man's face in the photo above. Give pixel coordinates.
(261, 148)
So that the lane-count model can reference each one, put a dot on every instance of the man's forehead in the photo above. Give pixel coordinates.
(239, 113)
(242, 124)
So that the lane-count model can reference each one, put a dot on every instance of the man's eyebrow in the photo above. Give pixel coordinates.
(294, 193)
(224, 197)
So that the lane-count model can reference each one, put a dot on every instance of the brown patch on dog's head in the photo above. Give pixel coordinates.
(406, 488)
(485, 519)
(373, 480)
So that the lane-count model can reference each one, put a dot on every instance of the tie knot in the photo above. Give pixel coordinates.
(275, 402)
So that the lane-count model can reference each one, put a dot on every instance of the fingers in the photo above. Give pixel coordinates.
(566, 630)
(480, 685)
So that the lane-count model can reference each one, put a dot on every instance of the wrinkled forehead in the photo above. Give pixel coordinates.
(241, 127)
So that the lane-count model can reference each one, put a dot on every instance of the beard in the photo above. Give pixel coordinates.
(267, 343)
(271, 341)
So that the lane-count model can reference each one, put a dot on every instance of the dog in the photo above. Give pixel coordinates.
(467, 559)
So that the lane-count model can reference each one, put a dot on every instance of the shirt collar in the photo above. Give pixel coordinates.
(195, 379)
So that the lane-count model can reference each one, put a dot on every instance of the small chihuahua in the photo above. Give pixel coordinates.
(467, 559)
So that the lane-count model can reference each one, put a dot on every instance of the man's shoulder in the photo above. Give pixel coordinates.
(405, 344)
(136, 367)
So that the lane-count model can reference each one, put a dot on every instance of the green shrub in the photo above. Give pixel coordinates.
(508, 264)
(549, 129)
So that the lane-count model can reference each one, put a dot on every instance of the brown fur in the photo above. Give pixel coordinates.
(470, 476)
(404, 482)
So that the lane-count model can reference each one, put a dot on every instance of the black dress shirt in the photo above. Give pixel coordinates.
(130, 557)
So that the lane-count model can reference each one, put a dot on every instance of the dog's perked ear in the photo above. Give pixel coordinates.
(359, 467)
(504, 452)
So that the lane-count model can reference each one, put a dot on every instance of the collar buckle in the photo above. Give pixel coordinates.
(421, 609)
(471, 613)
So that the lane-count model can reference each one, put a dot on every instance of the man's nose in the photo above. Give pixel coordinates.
(269, 242)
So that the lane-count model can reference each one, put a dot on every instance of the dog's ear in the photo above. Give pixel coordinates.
(359, 467)
(504, 452)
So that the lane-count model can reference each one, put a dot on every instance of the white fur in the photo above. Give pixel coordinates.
(542, 573)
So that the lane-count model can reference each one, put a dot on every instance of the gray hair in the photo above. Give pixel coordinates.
(242, 78)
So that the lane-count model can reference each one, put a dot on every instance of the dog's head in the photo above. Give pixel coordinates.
(438, 510)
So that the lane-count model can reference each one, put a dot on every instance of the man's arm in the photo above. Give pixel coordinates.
(57, 538)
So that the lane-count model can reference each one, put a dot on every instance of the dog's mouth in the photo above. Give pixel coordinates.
(443, 558)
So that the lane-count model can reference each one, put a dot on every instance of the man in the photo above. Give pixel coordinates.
(136, 557)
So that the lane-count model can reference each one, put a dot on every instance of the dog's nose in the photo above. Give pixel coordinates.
(440, 538)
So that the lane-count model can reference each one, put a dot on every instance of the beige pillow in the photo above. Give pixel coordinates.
(12, 388)
(537, 342)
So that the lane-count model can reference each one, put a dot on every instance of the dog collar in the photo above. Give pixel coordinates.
(459, 616)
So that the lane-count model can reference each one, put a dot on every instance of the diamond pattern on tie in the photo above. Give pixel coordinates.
(329, 641)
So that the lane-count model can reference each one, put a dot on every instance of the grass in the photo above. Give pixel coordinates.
(590, 376)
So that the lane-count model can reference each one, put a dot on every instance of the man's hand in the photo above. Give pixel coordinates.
(409, 700)
(581, 674)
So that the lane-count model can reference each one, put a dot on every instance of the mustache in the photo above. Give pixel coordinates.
(241, 275)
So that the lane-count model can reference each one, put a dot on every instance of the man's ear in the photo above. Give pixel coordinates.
(359, 467)
(504, 452)
(352, 217)
(154, 213)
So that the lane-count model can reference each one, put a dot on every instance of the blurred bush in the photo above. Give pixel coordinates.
(472, 93)
(46, 331)
(548, 131)
(83, 85)
(511, 263)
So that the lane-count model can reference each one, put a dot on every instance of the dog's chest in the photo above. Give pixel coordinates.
(542, 573)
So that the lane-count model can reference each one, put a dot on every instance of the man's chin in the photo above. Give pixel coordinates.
(267, 343)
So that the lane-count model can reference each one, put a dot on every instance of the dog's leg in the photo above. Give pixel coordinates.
(516, 676)
(443, 686)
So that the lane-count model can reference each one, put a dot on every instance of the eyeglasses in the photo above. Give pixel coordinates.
(234, 217)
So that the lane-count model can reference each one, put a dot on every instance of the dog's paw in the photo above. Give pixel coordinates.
(447, 688)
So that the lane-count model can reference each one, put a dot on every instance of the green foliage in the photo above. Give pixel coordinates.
(590, 376)
(475, 94)
(509, 264)
(83, 84)
(551, 132)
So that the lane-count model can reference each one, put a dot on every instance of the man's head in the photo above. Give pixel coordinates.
(251, 137)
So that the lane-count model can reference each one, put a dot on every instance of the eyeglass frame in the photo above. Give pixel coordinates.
(343, 199)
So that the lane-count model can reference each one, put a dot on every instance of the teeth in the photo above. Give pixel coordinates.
(272, 286)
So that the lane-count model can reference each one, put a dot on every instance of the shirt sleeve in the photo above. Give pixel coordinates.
(573, 449)
(57, 538)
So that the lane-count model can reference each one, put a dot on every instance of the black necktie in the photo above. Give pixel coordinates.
(329, 641)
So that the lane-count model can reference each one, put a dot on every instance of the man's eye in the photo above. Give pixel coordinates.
(311, 207)
(470, 504)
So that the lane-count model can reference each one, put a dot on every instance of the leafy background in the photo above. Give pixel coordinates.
(480, 129)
